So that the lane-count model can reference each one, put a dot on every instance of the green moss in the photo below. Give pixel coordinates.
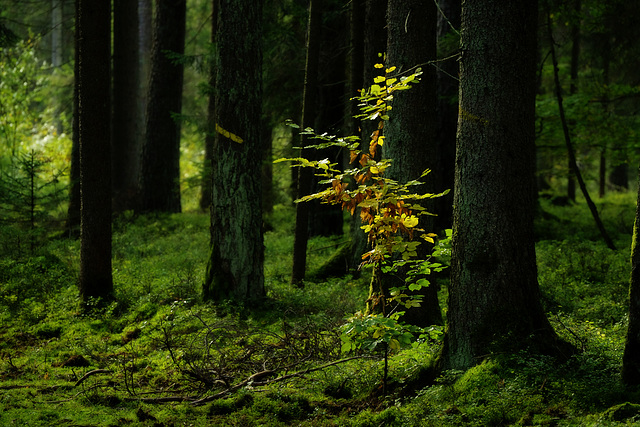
(623, 412)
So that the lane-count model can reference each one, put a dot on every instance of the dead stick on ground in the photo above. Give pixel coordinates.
(90, 373)
(251, 380)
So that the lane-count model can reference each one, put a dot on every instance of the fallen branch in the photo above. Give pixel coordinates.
(253, 381)
(250, 380)
(91, 373)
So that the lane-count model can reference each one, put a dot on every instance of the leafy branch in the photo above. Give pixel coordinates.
(390, 213)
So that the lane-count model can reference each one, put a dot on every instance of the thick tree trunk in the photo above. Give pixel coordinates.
(126, 145)
(160, 169)
(93, 42)
(235, 267)
(410, 134)
(494, 298)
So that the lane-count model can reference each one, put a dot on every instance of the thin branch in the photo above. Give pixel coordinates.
(91, 373)
(254, 380)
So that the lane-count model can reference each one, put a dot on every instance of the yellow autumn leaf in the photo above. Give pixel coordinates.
(378, 79)
(410, 221)
(378, 66)
(391, 69)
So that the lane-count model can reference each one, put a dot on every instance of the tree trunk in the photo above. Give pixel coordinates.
(207, 183)
(126, 71)
(447, 108)
(375, 42)
(326, 219)
(619, 176)
(305, 175)
(631, 356)
(494, 298)
(410, 134)
(145, 41)
(56, 33)
(56, 48)
(93, 43)
(356, 60)
(606, 66)
(235, 267)
(160, 169)
(573, 88)
(72, 224)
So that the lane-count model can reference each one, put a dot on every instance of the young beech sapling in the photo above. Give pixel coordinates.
(390, 218)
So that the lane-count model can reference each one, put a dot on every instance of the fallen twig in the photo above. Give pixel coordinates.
(90, 373)
(253, 380)
(250, 380)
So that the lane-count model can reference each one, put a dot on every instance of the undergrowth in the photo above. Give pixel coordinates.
(150, 356)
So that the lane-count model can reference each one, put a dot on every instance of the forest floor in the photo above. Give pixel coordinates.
(159, 356)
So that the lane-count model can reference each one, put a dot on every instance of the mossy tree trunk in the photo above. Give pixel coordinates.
(235, 269)
(410, 134)
(494, 298)
(631, 356)
(93, 44)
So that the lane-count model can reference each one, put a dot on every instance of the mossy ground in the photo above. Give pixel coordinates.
(158, 339)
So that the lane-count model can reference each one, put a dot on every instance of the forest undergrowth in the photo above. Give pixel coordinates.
(159, 356)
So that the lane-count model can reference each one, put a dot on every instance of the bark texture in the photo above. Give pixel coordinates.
(494, 298)
(160, 170)
(93, 42)
(410, 133)
(126, 145)
(237, 254)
